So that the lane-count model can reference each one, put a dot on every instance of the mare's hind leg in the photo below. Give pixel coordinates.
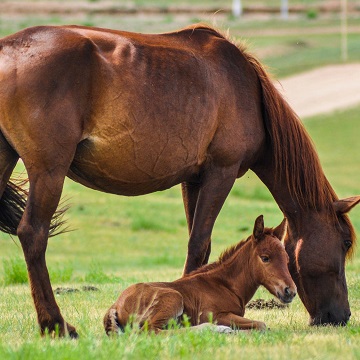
(215, 186)
(33, 231)
(47, 156)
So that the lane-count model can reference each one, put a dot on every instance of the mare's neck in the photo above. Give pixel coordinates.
(300, 216)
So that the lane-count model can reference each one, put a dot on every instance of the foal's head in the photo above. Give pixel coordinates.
(270, 260)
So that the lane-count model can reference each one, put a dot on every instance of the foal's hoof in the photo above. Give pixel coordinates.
(222, 329)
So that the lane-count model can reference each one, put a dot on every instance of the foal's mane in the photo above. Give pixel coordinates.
(226, 255)
(293, 152)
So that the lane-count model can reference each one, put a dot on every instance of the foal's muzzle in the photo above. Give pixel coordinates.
(287, 295)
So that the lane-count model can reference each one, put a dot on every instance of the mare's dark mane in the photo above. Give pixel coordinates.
(294, 153)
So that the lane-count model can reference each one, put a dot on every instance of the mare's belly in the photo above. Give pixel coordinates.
(124, 167)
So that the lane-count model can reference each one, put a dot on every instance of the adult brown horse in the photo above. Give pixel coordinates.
(219, 290)
(131, 114)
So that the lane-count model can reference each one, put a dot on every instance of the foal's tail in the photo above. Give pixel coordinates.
(111, 323)
(12, 206)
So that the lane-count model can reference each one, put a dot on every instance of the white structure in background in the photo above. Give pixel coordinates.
(284, 9)
(344, 31)
(237, 8)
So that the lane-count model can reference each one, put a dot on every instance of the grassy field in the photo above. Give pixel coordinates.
(117, 241)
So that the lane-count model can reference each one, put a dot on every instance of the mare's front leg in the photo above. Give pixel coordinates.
(190, 194)
(215, 186)
(240, 323)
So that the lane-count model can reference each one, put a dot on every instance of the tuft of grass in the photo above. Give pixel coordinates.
(15, 271)
(97, 275)
(61, 274)
(312, 14)
(140, 223)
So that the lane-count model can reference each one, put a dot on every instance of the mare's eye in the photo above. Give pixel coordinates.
(265, 259)
(348, 244)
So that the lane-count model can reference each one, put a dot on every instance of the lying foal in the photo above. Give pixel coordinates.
(219, 290)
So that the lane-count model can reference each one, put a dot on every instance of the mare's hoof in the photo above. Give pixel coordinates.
(71, 332)
(73, 335)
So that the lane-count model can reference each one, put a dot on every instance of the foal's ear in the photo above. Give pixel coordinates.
(345, 205)
(280, 230)
(258, 227)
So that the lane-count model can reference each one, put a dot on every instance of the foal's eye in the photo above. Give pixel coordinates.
(348, 244)
(265, 258)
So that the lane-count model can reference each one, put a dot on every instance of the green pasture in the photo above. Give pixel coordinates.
(116, 241)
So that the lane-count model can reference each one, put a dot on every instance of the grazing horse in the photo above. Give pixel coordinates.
(130, 114)
(219, 290)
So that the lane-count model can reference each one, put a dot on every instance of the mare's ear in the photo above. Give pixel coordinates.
(280, 230)
(345, 205)
(258, 227)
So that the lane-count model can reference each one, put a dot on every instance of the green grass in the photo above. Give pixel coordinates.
(107, 251)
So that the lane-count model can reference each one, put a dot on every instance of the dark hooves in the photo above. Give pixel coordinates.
(71, 332)
(73, 335)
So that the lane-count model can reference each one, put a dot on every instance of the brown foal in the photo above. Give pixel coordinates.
(218, 291)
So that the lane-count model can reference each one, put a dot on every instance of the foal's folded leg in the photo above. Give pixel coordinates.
(239, 322)
(168, 304)
(215, 328)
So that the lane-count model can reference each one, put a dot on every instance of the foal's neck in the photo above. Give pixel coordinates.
(237, 274)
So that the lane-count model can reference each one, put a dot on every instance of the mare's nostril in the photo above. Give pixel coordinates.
(287, 291)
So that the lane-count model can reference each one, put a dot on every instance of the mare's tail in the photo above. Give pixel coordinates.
(12, 206)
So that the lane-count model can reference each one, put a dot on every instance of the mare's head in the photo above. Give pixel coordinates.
(270, 260)
(318, 259)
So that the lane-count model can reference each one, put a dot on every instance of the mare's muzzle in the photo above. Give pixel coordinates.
(335, 318)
